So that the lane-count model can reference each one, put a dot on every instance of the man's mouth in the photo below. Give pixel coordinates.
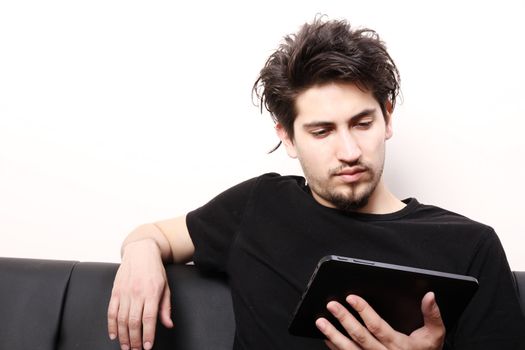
(351, 174)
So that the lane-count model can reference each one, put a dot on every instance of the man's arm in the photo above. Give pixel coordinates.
(140, 291)
(376, 333)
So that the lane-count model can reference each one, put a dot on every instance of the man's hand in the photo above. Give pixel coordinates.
(378, 334)
(139, 290)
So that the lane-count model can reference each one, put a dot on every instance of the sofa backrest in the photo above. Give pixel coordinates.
(519, 278)
(62, 305)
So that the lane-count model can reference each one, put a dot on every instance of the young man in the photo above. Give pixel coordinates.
(331, 91)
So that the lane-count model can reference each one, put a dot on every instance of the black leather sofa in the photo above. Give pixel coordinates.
(62, 305)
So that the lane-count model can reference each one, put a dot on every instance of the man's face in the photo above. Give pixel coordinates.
(339, 139)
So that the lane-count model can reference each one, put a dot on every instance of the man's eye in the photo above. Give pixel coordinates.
(319, 132)
(364, 124)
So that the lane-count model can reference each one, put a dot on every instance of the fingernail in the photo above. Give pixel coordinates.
(147, 345)
(124, 347)
(112, 336)
(433, 299)
(333, 307)
(321, 324)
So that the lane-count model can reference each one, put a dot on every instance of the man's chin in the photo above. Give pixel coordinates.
(350, 202)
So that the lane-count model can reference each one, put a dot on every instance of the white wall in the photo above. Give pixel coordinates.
(116, 113)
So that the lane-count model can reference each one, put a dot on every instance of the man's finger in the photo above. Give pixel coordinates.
(336, 339)
(359, 334)
(431, 314)
(135, 324)
(373, 322)
(112, 317)
(122, 320)
(165, 308)
(330, 345)
(149, 321)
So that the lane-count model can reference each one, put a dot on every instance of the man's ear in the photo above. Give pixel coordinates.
(286, 140)
(389, 109)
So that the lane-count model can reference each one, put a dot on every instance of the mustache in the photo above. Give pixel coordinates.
(347, 166)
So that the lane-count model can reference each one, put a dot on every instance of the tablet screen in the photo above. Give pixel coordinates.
(394, 292)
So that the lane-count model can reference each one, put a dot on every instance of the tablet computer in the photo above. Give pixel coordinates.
(394, 292)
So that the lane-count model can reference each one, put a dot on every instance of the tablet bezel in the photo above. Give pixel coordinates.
(394, 291)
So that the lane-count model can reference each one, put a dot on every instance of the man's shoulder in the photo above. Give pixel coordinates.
(267, 183)
(276, 179)
(438, 215)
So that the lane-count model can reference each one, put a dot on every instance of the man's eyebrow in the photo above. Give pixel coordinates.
(317, 124)
(361, 114)
(364, 113)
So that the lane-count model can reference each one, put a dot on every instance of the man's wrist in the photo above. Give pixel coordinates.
(144, 243)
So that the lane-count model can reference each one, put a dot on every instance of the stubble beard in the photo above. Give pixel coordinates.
(354, 196)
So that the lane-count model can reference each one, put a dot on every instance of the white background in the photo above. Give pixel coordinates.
(117, 113)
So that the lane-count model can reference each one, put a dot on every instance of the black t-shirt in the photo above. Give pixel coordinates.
(268, 233)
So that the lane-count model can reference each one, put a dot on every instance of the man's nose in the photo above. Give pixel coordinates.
(348, 149)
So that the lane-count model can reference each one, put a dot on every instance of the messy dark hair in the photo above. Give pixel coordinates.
(320, 53)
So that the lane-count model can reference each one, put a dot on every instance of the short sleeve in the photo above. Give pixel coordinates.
(493, 319)
(213, 226)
